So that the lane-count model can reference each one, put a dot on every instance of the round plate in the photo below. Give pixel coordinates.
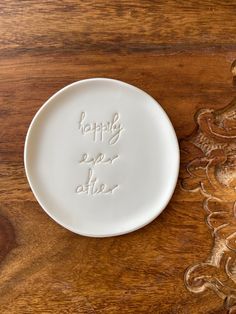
(101, 157)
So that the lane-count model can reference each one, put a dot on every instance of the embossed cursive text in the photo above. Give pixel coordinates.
(98, 159)
(93, 187)
(98, 129)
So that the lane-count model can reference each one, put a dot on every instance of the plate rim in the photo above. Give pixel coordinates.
(175, 175)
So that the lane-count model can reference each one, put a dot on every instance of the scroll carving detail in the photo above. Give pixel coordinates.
(209, 160)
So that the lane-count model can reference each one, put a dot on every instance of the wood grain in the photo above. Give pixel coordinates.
(129, 25)
(181, 53)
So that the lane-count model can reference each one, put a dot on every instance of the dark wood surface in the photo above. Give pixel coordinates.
(180, 52)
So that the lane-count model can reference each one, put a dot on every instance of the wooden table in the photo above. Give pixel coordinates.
(180, 52)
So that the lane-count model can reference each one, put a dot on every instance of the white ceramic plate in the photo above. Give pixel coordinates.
(101, 157)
